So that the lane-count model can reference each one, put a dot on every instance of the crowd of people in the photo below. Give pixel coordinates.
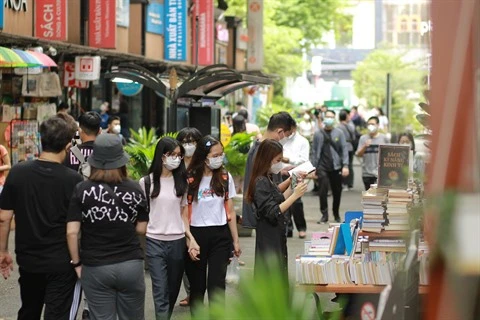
(78, 218)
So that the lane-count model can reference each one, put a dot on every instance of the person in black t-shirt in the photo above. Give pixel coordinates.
(89, 129)
(110, 210)
(38, 192)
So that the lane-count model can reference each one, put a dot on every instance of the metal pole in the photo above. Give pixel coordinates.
(196, 43)
(388, 102)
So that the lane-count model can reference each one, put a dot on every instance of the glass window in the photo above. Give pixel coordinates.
(415, 24)
(403, 24)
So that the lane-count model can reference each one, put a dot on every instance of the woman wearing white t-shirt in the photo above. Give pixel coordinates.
(168, 224)
(210, 223)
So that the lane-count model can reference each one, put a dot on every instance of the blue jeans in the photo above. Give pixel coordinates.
(166, 266)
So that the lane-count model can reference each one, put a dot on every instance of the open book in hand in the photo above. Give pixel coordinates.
(305, 167)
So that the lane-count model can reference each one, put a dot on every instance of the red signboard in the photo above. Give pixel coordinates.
(69, 77)
(102, 24)
(206, 41)
(51, 19)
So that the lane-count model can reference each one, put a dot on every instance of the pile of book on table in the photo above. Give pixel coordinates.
(341, 256)
(398, 205)
(374, 202)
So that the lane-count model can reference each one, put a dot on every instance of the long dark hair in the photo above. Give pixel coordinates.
(167, 145)
(267, 150)
(410, 137)
(197, 166)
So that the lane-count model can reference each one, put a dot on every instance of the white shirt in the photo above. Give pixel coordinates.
(209, 209)
(297, 149)
(165, 218)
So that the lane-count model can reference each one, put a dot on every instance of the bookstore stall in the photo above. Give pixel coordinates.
(377, 260)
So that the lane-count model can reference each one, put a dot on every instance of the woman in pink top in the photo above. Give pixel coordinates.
(5, 165)
(168, 224)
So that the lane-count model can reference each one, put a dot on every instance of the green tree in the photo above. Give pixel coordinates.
(289, 27)
(406, 80)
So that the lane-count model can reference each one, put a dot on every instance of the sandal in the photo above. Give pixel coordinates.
(185, 302)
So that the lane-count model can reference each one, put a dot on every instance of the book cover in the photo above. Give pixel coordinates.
(393, 166)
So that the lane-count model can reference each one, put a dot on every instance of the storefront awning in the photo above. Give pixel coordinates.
(212, 82)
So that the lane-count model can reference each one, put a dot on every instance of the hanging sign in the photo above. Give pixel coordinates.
(255, 35)
(102, 24)
(206, 44)
(129, 89)
(176, 30)
(51, 19)
(87, 68)
(154, 21)
(69, 77)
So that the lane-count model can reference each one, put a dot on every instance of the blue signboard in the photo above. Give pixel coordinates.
(129, 89)
(154, 21)
(1, 16)
(176, 30)
(123, 13)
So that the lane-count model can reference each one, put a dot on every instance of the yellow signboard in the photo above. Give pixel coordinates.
(225, 134)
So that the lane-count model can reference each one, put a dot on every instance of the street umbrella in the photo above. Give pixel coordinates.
(43, 58)
(11, 59)
(28, 58)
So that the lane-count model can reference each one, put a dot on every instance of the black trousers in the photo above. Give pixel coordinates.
(59, 292)
(348, 180)
(296, 213)
(367, 181)
(215, 247)
(334, 180)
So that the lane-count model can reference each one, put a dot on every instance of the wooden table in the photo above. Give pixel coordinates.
(349, 288)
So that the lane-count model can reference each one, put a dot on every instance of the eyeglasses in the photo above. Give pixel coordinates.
(174, 156)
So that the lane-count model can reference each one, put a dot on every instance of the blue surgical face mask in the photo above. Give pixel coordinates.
(329, 122)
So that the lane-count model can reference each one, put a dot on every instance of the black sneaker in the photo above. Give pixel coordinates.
(323, 220)
(337, 219)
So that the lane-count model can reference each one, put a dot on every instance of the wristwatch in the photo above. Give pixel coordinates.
(78, 264)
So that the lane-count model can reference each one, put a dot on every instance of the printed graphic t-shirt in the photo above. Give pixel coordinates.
(108, 221)
(209, 209)
(39, 193)
(370, 157)
(72, 162)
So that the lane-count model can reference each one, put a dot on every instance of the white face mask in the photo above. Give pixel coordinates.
(215, 163)
(276, 167)
(189, 149)
(170, 163)
(372, 128)
(117, 128)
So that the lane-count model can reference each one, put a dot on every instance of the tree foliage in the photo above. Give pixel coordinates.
(289, 27)
(406, 80)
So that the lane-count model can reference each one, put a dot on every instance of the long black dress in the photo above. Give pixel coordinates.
(271, 240)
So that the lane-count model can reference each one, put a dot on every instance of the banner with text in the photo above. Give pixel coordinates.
(51, 19)
(102, 24)
(154, 21)
(176, 30)
(206, 44)
(255, 35)
(123, 13)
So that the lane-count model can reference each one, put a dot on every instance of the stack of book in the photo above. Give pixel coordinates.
(398, 205)
(374, 268)
(321, 244)
(387, 245)
(373, 202)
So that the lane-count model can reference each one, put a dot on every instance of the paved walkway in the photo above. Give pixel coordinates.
(9, 290)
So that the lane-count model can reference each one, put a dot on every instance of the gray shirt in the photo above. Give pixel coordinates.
(340, 159)
(370, 157)
(349, 131)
